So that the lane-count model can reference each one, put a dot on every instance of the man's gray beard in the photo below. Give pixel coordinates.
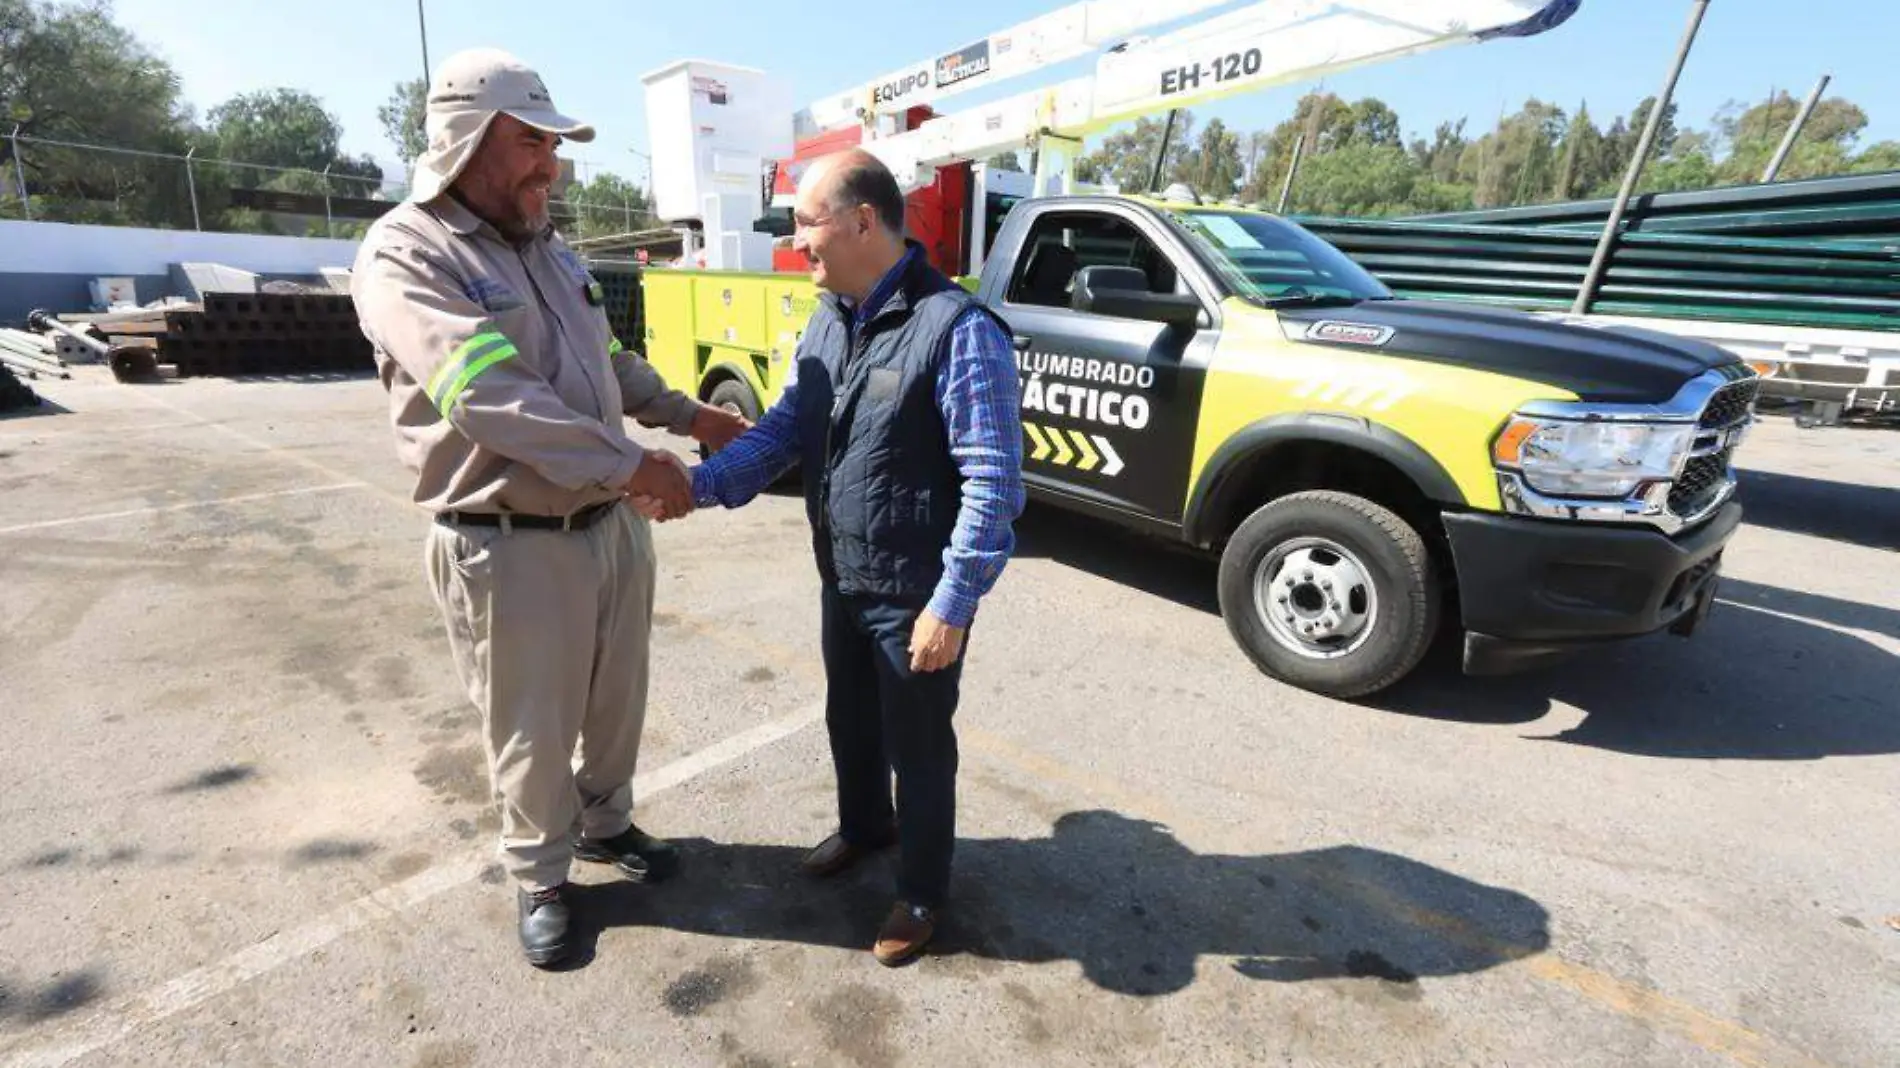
(523, 227)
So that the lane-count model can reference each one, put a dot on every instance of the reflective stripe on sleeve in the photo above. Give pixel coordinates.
(615, 348)
(474, 356)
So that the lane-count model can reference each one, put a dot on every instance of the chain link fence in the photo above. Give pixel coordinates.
(64, 181)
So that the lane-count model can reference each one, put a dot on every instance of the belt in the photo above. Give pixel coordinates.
(580, 520)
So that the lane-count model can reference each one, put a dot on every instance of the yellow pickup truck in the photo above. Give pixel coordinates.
(1366, 468)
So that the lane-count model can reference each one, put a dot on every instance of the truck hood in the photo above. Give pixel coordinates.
(1611, 364)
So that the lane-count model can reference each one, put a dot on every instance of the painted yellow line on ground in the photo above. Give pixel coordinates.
(1648, 1006)
(1732, 1040)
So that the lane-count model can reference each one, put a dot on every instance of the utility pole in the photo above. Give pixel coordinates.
(191, 185)
(1161, 156)
(422, 22)
(1286, 191)
(1587, 293)
(19, 169)
(1794, 129)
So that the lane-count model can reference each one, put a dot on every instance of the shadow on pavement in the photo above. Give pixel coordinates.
(1750, 685)
(1838, 511)
(1143, 563)
(1121, 897)
(45, 407)
(1816, 606)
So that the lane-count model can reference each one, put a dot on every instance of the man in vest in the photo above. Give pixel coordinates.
(903, 413)
(507, 390)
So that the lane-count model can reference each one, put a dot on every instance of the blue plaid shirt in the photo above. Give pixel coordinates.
(980, 397)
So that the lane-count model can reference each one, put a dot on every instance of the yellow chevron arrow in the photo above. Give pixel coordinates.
(1042, 444)
(1063, 453)
(1089, 458)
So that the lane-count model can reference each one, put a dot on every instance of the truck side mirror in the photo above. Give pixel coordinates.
(1123, 293)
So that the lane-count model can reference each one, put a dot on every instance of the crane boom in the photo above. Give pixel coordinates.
(1068, 33)
(1270, 43)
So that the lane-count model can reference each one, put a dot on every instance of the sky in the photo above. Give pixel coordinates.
(1613, 53)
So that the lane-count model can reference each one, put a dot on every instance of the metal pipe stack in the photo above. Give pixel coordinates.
(28, 354)
(1818, 253)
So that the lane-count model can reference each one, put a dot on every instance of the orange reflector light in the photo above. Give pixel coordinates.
(1511, 442)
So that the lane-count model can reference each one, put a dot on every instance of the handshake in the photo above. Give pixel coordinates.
(661, 487)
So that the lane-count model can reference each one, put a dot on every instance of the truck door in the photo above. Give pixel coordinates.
(1110, 405)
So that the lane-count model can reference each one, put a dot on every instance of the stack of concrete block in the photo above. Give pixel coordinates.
(265, 334)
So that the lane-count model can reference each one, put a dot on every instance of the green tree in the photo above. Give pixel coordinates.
(283, 140)
(1212, 167)
(1369, 122)
(403, 121)
(1373, 181)
(278, 128)
(1516, 164)
(1882, 156)
(1253, 177)
(68, 73)
(1008, 161)
(1751, 136)
(1585, 158)
(609, 204)
(1127, 158)
(1440, 157)
(1680, 173)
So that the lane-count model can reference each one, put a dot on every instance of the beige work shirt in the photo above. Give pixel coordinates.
(506, 385)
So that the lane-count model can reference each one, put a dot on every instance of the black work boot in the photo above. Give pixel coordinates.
(544, 921)
(636, 854)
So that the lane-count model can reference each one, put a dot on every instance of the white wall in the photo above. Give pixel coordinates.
(65, 249)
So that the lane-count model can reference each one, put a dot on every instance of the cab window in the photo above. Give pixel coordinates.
(1265, 258)
(1062, 243)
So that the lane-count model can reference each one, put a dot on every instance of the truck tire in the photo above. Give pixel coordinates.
(734, 396)
(1330, 592)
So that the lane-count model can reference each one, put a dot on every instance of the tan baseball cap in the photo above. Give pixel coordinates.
(469, 90)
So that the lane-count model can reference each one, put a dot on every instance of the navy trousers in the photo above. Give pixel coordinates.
(885, 718)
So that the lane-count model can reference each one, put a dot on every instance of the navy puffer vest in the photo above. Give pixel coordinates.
(882, 491)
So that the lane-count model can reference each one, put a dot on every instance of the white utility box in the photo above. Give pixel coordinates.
(712, 128)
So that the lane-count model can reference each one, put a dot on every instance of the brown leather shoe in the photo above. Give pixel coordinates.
(905, 934)
(834, 855)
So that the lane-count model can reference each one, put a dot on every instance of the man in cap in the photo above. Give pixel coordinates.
(507, 394)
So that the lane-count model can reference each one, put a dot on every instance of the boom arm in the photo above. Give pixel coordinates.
(1264, 44)
(1069, 33)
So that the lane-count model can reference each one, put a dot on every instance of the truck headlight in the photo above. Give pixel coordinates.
(1591, 458)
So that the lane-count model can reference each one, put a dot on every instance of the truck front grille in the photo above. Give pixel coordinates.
(1706, 476)
(1731, 404)
(1701, 482)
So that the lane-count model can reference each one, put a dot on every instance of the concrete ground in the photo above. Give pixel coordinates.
(243, 816)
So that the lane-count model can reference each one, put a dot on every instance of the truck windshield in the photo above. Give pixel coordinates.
(1271, 261)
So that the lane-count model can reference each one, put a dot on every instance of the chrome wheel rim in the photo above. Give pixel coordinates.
(1316, 598)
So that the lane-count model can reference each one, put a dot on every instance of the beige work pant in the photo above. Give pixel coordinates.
(549, 631)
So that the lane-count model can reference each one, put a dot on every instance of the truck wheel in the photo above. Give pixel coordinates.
(733, 396)
(1329, 592)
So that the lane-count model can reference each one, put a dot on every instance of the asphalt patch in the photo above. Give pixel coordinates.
(217, 779)
(702, 988)
(456, 773)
